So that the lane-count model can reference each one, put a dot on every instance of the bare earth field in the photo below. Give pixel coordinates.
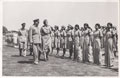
(14, 65)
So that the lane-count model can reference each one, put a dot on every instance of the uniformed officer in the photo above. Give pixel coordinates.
(77, 35)
(35, 40)
(22, 37)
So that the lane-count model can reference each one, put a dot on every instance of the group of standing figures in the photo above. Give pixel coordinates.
(82, 43)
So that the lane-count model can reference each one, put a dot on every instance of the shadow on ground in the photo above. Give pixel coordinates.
(115, 69)
(25, 62)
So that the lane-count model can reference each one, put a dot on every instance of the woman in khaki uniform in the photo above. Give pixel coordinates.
(70, 34)
(86, 43)
(46, 39)
(109, 54)
(57, 39)
(77, 35)
(97, 34)
(63, 40)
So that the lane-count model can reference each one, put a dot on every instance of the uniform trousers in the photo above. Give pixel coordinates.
(36, 52)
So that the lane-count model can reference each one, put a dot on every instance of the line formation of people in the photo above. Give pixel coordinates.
(82, 43)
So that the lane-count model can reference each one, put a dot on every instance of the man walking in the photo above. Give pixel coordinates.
(35, 40)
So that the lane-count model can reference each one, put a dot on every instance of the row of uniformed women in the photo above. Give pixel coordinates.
(85, 43)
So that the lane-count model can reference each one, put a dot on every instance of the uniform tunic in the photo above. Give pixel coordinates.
(63, 39)
(22, 37)
(70, 35)
(109, 55)
(57, 39)
(46, 37)
(34, 35)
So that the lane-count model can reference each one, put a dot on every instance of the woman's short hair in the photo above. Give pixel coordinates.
(23, 24)
(109, 24)
(44, 22)
(63, 27)
(97, 24)
(77, 26)
(86, 24)
(56, 27)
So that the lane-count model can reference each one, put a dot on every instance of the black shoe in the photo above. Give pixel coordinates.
(74, 59)
(78, 60)
(39, 59)
(70, 57)
(83, 61)
(105, 65)
(47, 59)
(62, 57)
(30, 54)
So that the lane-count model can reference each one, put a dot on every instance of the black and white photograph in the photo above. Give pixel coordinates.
(75, 38)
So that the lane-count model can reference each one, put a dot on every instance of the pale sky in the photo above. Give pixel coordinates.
(59, 13)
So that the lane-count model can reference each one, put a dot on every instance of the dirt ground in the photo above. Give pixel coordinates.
(14, 65)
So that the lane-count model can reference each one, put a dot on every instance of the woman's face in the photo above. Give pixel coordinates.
(55, 28)
(36, 23)
(76, 27)
(85, 26)
(46, 22)
(23, 26)
(96, 27)
(109, 25)
(69, 27)
(62, 28)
